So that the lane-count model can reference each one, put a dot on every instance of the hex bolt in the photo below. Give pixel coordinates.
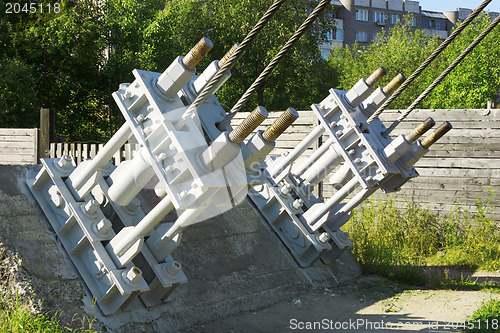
(228, 55)
(197, 53)
(140, 118)
(133, 205)
(342, 116)
(339, 133)
(437, 134)
(150, 108)
(128, 94)
(169, 169)
(123, 86)
(369, 179)
(280, 125)
(333, 124)
(64, 162)
(183, 194)
(420, 130)
(351, 152)
(103, 226)
(248, 125)
(357, 160)
(394, 84)
(298, 203)
(324, 237)
(376, 76)
(161, 156)
(361, 144)
(174, 268)
(147, 130)
(91, 207)
(285, 189)
(133, 275)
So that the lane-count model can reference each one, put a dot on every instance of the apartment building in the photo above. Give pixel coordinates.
(361, 20)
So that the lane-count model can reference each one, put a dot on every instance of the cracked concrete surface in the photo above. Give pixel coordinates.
(234, 263)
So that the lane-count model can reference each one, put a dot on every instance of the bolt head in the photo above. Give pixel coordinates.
(103, 226)
(297, 204)
(64, 162)
(134, 274)
(339, 133)
(91, 207)
(323, 237)
(140, 118)
(162, 156)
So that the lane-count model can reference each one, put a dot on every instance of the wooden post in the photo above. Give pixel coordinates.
(47, 131)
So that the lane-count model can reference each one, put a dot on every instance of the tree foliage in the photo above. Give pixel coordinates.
(475, 81)
(79, 57)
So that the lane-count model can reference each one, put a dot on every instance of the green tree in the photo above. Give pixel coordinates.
(470, 85)
(477, 78)
(400, 50)
(301, 79)
(18, 101)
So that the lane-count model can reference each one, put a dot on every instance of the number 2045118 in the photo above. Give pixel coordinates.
(32, 8)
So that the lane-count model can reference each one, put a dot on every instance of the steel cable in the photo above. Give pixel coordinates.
(212, 84)
(426, 63)
(272, 65)
(443, 75)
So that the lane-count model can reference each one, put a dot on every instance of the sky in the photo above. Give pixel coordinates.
(448, 5)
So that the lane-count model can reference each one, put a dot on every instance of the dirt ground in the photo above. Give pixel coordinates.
(371, 304)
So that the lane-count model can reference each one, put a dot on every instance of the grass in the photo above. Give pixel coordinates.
(403, 244)
(17, 313)
(486, 318)
(17, 317)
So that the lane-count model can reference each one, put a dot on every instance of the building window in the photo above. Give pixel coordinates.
(339, 34)
(361, 15)
(325, 53)
(413, 22)
(361, 36)
(395, 18)
(378, 17)
(434, 24)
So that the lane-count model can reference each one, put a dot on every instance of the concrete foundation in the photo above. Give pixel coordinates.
(234, 263)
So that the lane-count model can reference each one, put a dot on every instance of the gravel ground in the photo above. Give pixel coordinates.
(371, 304)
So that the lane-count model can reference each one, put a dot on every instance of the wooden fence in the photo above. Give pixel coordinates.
(18, 146)
(82, 151)
(461, 168)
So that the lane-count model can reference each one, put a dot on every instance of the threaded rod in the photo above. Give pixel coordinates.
(437, 134)
(280, 125)
(196, 54)
(248, 125)
(420, 130)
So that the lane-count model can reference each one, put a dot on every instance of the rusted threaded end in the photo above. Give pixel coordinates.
(248, 125)
(376, 76)
(228, 55)
(280, 125)
(197, 53)
(394, 84)
(420, 130)
(437, 134)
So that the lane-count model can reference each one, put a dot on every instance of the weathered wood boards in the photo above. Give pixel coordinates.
(18, 146)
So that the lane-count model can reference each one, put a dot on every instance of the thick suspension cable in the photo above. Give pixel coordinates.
(212, 84)
(427, 62)
(443, 75)
(257, 84)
